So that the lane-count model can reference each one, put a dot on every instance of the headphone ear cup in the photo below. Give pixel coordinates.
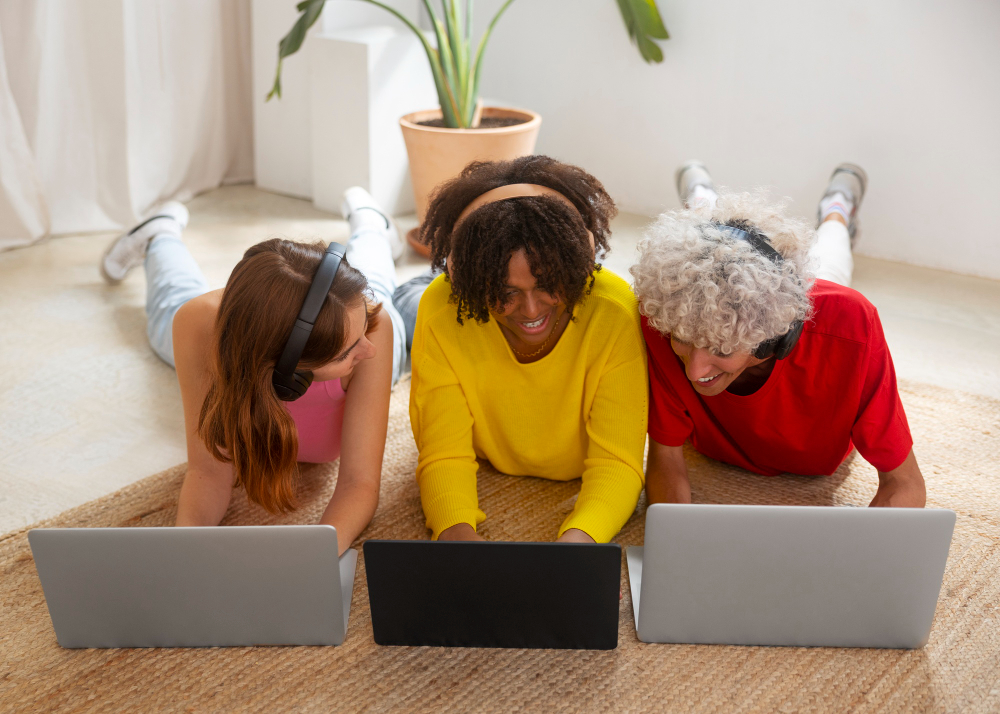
(787, 343)
(288, 388)
(302, 381)
(780, 347)
(765, 349)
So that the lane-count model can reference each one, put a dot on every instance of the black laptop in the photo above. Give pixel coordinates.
(474, 594)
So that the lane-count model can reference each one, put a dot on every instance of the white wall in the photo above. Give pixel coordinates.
(777, 92)
(282, 128)
(362, 80)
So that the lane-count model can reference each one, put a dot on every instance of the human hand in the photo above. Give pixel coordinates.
(460, 532)
(899, 494)
(575, 535)
(903, 487)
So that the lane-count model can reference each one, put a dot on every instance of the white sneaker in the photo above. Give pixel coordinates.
(129, 249)
(359, 208)
(695, 185)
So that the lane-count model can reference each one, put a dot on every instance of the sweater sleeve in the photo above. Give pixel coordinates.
(616, 430)
(442, 428)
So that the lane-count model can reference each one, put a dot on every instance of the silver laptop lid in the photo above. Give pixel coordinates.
(195, 587)
(791, 575)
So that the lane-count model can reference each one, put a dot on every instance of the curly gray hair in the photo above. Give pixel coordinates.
(711, 290)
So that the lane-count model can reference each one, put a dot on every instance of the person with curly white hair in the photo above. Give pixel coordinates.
(760, 354)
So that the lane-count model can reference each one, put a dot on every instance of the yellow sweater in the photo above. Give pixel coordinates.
(580, 411)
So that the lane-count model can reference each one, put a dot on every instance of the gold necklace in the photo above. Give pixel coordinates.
(539, 350)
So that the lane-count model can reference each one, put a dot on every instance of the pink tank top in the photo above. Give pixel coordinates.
(319, 417)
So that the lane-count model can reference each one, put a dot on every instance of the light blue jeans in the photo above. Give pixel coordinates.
(173, 277)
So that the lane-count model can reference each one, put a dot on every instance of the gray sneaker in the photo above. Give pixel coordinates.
(689, 176)
(129, 249)
(851, 181)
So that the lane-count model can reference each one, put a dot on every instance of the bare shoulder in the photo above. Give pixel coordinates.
(194, 325)
(196, 318)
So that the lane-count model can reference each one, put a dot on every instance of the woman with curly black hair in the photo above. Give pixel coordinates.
(527, 353)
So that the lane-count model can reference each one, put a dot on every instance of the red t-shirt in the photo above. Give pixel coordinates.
(837, 389)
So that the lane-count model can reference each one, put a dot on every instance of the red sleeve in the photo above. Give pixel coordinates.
(881, 432)
(669, 422)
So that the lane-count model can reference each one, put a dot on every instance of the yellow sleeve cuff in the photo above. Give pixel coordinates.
(471, 516)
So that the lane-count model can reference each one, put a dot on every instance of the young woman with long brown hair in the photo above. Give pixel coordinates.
(225, 344)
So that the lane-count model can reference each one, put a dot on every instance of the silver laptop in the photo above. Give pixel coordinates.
(195, 587)
(789, 575)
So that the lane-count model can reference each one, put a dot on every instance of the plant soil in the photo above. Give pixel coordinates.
(484, 123)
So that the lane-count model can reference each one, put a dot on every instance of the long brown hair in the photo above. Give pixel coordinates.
(242, 420)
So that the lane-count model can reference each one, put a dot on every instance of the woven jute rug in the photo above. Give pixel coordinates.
(958, 448)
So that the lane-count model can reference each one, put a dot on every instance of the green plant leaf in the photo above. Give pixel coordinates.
(644, 25)
(455, 70)
(311, 10)
(477, 64)
(649, 50)
(451, 80)
(291, 42)
(459, 52)
(438, 67)
(446, 92)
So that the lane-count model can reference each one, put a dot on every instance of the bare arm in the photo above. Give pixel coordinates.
(208, 483)
(366, 419)
(903, 487)
(666, 475)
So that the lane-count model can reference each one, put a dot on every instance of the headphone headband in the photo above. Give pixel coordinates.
(511, 190)
(755, 238)
(290, 384)
(780, 346)
(518, 190)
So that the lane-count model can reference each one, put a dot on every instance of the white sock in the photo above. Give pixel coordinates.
(702, 194)
(836, 203)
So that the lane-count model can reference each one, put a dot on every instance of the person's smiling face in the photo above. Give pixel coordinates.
(710, 373)
(529, 314)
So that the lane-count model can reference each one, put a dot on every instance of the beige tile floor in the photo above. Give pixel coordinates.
(86, 407)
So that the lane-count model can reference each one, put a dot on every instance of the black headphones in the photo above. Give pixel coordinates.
(290, 383)
(781, 346)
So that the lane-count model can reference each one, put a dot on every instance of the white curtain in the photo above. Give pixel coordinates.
(108, 107)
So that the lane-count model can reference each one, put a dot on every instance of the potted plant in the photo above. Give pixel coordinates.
(441, 142)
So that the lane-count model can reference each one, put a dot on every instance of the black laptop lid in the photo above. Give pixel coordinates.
(462, 594)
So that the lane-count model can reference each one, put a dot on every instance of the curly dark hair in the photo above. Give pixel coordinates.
(553, 236)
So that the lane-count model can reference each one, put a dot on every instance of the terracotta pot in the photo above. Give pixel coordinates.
(438, 154)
